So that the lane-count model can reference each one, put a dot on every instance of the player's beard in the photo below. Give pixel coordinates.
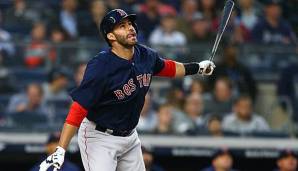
(123, 40)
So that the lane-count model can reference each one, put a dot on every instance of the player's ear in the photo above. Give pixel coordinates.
(111, 36)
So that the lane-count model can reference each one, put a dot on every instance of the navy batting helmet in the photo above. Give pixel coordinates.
(112, 18)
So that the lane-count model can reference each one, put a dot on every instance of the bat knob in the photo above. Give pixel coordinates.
(208, 69)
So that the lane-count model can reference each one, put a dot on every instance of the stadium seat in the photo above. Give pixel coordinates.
(27, 120)
(24, 76)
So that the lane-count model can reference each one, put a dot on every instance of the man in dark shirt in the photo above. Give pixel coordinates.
(272, 28)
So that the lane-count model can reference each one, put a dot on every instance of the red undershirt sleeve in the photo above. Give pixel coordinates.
(76, 114)
(169, 69)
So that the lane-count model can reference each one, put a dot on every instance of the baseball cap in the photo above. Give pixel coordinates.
(286, 153)
(57, 73)
(112, 18)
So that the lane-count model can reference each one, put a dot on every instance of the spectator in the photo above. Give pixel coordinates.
(193, 109)
(201, 29)
(221, 100)
(248, 14)
(287, 161)
(130, 6)
(19, 19)
(55, 89)
(90, 27)
(197, 86)
(68, 18)
(113, 4)
(149, 17)
(189, 8)
(242, 80)
(7, 51)
(6, 46)
(164, 120)
(98, 9)
(150, 13)
(214, 126)
(148, 158)
(222, 160)
(246, 20)
(58, 36)
(50, 146)
(243, 120)
(37, 52)
(167, 30)
(272, 28)
(30, 101)
(208, 8)
(176, 96)
(148, 119)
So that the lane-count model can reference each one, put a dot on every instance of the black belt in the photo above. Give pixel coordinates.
(113, 132)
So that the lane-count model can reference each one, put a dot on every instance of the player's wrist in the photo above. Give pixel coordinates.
(60, 149)
(191, 68)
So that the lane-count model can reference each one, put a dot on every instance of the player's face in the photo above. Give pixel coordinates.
(125, 33)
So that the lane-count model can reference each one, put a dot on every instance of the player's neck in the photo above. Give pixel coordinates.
(122, 52)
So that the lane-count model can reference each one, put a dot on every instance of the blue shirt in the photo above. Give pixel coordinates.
(211, 168)
(263, 32)
(113, 89)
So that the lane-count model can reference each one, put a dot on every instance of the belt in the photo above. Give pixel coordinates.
(113, 132)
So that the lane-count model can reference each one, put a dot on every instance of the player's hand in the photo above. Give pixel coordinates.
(56, 159)
(206, 67)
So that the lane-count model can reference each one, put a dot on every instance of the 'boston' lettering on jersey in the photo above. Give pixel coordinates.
(127, 89)
(144, 80)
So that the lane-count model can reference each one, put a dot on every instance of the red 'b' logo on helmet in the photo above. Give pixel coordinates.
(121, 12)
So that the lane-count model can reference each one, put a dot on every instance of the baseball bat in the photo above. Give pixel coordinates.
(226, 14)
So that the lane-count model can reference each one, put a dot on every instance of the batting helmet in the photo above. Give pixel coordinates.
(112, 18)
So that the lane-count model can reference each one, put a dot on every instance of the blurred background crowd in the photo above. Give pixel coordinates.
(46, 44)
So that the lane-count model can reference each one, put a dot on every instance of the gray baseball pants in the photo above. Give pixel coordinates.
(104, 152)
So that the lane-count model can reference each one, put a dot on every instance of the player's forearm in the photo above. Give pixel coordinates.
(68, 132)
(183, 69)
(204, 67)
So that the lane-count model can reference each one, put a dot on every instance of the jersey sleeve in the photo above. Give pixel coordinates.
(91, 87)
(159, 63)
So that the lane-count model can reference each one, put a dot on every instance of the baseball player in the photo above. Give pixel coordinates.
(107, 104)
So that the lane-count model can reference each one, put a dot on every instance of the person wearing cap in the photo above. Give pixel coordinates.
(55, 88)
(107, 105)
(273, 28)
(222, 160)
(287, 161)
(50, 147)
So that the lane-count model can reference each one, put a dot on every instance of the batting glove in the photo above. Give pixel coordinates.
(206, 67)
(56, 159)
